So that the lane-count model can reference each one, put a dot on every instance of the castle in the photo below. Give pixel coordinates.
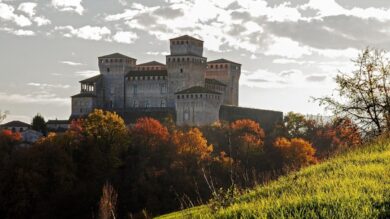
(187, 86)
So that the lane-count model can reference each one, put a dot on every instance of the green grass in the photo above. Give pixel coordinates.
(352, 185)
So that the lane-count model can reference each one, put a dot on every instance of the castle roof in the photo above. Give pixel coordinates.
(85, 94)
(197, 90)
(116, 55)
(214, 81)
(57, 122)
(15, 123)
(151, 63)
(222, 61)
(91, 79)
(186, 37)
(147, 73)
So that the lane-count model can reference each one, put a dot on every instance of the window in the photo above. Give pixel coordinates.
(108, 69)
(147, 104)
(135, 89)
(181, 70)
(163, 103)
(186, 116)
(163, 88)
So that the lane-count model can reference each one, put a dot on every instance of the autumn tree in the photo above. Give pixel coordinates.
(295, 125)
(192, 144)
(150, 133)
(247, 140)
(335, 136)
(295, 152)
(364, 94)
(108, 202)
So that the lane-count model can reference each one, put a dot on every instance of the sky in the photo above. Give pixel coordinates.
(290, 51)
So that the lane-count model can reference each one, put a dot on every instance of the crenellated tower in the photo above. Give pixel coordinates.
(186, 65)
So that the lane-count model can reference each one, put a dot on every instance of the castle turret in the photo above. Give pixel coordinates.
(113, 68)
(186, 65)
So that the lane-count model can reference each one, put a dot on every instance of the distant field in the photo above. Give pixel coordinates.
(352, 185)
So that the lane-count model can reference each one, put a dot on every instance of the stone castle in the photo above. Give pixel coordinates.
(187, 86)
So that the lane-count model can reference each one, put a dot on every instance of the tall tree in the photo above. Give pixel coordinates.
(364, 93)
(39, 124)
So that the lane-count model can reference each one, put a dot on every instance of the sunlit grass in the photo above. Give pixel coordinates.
(352, 185)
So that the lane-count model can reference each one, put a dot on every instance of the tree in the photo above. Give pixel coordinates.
(295, 152)
(295, 125)
(107, 204)
(247, 139)
(364, 94)
(192, 144)
(150, 133)
(3, 115)
(39, 124)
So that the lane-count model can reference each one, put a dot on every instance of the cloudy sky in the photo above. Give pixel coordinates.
(290, 50)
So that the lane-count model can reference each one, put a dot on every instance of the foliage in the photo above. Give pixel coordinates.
(149, 133)
(295, 125)
(192, 144)
(296, 152)
(39, 124)
(351, 185)
(364, 93)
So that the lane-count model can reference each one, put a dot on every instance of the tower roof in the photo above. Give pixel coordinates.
(186, 37)
(15, 123)
(151, 63)
(214, 81)
(197, 90)
(91, 79)
(116, 55)
(223, 61)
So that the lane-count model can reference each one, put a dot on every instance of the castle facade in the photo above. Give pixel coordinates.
(187, 85)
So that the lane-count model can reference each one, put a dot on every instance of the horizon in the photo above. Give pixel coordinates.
(289, 51)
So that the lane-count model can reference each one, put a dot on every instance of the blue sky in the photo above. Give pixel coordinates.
(289, 50)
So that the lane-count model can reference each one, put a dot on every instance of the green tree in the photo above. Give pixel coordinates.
(39, 124)
(364, 94)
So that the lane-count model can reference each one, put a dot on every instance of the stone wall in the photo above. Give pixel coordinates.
(266, 118)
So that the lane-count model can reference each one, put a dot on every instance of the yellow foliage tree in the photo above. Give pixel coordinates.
(296, 152)
(192, 143)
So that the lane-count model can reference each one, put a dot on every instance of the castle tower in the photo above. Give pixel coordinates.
(186, 65)
(113, 68)
(229, 73)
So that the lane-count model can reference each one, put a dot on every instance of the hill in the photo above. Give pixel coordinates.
(352, 185)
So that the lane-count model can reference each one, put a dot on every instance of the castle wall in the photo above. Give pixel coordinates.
(146, 92)
(266, 118)
(196, 110)
(82, 105)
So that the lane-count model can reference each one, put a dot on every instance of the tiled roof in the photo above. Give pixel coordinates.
(186, 37)
(147, 73)
(197, 89)
(223, 61)
(86, 94)
(151, 63)
(91, 79)
(15, 124)
(116, 55)
(214, 81)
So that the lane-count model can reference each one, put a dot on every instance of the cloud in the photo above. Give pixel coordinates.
(68, 5)
(28, 8)
(87, 73)
(71, 63)
(125, 37)
(41, 21)
(86, 32)
(316, 78)
(285, 47)
(18, 32)
(7, 13)
(41, 98)
(44, 85)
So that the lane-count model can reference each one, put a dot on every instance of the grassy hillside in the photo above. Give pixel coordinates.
(352, 185)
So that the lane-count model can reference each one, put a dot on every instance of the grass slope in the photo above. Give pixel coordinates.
(352, 185)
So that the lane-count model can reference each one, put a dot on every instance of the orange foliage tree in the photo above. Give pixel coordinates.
(247, 139)
(149, 133)
(295, 152)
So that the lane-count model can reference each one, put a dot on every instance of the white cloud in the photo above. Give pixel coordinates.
(87, 32)
(42, 98)
(286, 47)
(71, 63)
(87, 73)
(41, 21)
(45, 85)
(18, 32)
(68, 5)
(7, 13)
(28, 8)
(125, 37)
